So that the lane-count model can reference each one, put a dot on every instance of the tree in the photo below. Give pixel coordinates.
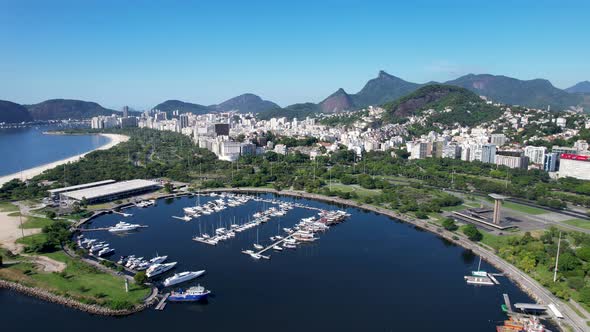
(168, 187)
(51, 214)
(449, 224)
(140, 277)
(585, 295)
(1, 261)
(472, 233)
(421, 215)
(76, 207)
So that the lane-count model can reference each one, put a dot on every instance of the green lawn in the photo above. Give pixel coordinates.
(32, 239)
(360, 191)
(523, 208)
(36, 222)
(578, 223)
(8, 207)
(100, 206)
(455, 208)
(495, 241)
(80, 281)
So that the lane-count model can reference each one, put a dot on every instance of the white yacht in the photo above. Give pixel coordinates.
(158, 259)
(123, 227)
(156, 269)
(182, 277)
(105, 251)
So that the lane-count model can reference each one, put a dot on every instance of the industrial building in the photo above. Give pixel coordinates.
(111, 191)
(55, 193)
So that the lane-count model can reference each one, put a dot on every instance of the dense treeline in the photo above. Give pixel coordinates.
(160, 154)
(536, 256)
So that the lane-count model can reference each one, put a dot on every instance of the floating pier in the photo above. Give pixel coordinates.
(507, 303)
(162, 304)
(491, 276)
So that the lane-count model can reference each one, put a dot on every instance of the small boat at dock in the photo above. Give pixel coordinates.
(193, 294)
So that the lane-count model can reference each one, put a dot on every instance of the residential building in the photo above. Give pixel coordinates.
(488, 153)
(536, 154)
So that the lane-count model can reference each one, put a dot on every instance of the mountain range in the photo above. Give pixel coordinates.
(244, 103)
(384, 88)
(538, 93)
(582, 87)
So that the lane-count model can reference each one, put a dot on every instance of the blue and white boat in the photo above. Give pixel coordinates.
(195, 293)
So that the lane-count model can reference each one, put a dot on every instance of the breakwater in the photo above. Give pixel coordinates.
(69, 302)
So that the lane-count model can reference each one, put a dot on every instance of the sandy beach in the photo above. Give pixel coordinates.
(32, 172)
(10, 231)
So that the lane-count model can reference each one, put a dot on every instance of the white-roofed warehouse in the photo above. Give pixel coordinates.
(112, 191)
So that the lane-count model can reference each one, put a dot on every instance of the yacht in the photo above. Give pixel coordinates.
(182, 277)
(123, 227)
(157, 269)
(106, 251)
(98, 247)
(277, 248)
(158, 259)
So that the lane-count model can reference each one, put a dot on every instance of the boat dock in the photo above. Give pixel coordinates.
(275, 244)
(299, 205)
(507, 303)
(162, 304)
(491, 276)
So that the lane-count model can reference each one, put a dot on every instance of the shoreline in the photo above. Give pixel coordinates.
(94, 309)
(32, 172)
(526, 283)
(521, 279)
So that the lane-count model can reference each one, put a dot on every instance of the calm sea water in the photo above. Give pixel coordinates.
(23, 148)
(370, 273)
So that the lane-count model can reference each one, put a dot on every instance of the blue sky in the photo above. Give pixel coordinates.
(143, 52)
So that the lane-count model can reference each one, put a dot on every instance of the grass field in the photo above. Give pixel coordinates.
(80, 281)
(8, 207)
(360, 191)
(578, 223)
(32, 239)
(523, 208)
(37, 222)
(455, 208)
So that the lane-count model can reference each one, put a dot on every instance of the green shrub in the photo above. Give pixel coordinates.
(449, 224)
(472, 233)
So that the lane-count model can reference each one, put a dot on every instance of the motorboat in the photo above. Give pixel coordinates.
(182, 277)
(195, 293)
(157, 269)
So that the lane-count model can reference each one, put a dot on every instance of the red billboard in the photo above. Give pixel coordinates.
(574, 157)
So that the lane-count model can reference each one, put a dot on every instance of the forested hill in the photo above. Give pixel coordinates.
(57, 109)
(13, 113)
(451, 104)
(538, 93)
(183, 107)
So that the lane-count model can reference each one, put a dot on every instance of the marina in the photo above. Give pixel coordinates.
(386, 279)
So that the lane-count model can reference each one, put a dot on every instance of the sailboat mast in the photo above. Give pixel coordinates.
(557, 258)
(479, 265)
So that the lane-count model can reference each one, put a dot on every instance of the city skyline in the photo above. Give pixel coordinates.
(118, 54)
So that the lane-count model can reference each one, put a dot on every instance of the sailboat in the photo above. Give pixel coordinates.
(479, 272)
(257, 245)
